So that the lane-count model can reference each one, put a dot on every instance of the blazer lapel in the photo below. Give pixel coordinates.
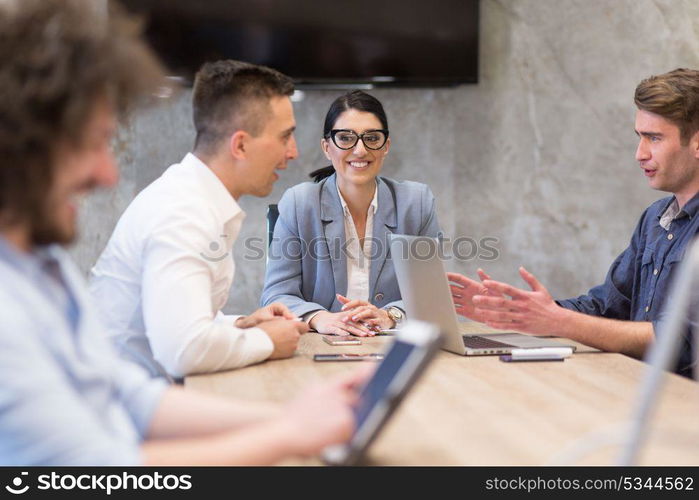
(384, 224)
(334, 233)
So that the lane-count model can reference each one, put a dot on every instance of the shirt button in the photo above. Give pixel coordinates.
(647, 308)
(378, 297)
(655, 272)
(669, 236)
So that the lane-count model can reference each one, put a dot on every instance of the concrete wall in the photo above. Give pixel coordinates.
(539, 154)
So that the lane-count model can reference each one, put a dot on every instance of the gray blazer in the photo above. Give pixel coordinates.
(306, 264)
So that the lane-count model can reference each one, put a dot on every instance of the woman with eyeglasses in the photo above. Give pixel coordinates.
(329, 259)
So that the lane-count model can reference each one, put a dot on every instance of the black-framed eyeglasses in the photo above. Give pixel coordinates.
(347, 139)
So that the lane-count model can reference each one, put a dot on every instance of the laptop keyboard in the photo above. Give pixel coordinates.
(476, 342)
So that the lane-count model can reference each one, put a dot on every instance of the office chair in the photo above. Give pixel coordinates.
(272, 216)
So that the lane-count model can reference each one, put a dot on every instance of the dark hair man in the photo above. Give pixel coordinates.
(167, 270)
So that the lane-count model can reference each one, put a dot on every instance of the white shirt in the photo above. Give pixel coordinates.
(166, 273)
(358, 257)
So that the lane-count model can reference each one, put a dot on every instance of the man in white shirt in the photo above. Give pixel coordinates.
(167, 270)
(66, 397)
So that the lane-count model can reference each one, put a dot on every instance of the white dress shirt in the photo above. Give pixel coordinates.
(358, 256)
(166, 273)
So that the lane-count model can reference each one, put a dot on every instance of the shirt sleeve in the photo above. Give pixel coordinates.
(685, 355)
(44, 417)
(612, 299)
(310, 315)
(231, 318)
(186, 334)
(138, 392)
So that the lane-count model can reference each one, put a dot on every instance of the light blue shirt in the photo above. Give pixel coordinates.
(66, 398)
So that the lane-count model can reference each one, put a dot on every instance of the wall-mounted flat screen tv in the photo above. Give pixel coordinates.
(321, 42)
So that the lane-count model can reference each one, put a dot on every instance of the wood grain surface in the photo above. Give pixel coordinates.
(481, 411)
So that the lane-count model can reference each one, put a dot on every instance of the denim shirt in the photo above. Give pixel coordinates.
(638, 282)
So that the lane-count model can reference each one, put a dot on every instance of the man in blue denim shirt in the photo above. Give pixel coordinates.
(622, 314)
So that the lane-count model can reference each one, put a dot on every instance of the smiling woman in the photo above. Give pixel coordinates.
(338, 227)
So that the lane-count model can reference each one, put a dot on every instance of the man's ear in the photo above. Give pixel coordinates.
(324, 145)
(238, 143)
(694, 144)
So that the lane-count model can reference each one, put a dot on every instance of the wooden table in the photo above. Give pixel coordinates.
(480, 411)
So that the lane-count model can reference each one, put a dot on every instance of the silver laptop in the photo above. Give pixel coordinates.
(425, 290)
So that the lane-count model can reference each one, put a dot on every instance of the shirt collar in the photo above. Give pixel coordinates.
(29, 264)
(374, 201)
(216, 193)
(691, 207)
(672, 210)
(11, 256)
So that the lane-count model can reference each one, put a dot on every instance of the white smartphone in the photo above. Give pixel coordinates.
(341, 340)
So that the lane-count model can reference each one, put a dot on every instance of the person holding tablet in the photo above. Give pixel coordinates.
(69, 69)
(328, 260)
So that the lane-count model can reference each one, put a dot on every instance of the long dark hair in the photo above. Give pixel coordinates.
(356, 99)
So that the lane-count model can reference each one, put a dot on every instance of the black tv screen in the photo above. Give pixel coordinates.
(321, 42)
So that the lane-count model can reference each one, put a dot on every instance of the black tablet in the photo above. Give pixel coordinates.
(415, 345)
